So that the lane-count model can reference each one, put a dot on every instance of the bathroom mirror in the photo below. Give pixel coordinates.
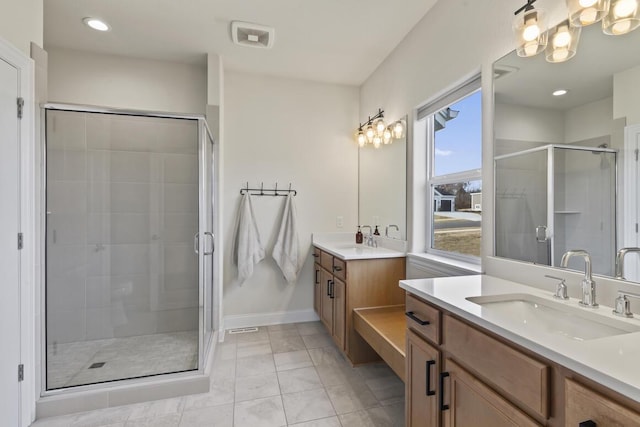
(382, 187)
(566, 175)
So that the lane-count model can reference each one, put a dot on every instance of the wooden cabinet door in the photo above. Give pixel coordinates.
(326, 305)
(583, 404)
(472, 403)
(317, 289)
(422, 373)
(339, 309)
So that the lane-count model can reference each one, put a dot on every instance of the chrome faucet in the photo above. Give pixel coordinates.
(588, 285)
(369, 240)
(561, 287)
(620, 261)
(386, 230)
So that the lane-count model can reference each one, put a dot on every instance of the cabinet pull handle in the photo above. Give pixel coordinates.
(317, 281)
(430, 363)
(328, 288)
(337, 268)
(443, 407)
(316, 256)
(588, 423)
(332, 287)
(411, 316)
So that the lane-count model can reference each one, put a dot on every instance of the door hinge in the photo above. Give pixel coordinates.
(636, 151)
(636, 227)
(20, 372)
(20, 241)
(20, 102)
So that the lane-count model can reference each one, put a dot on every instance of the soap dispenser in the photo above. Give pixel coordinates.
(376, 232)
(359, 236)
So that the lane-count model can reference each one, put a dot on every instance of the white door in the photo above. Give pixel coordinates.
(9, 253)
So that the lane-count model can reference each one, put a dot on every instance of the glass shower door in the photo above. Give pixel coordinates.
(523, 231)
(123, 282)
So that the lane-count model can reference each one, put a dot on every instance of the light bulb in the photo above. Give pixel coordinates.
(560, 55)
(377, 141)
(398, 130)
(531, 30)
(588, 16)
(386, 136)
(96, 24)
(361, 139)
(562, 37)
(370, 133)
(621, 27)
(587, 3)
(380, 127)
(531, 48)
(625, 8)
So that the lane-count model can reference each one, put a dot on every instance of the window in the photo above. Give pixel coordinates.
(454, 181)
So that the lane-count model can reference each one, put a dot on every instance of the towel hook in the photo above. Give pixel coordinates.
(262, 188)
(276, 190)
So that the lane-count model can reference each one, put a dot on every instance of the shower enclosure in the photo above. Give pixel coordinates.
(555, 198)
(129, 244)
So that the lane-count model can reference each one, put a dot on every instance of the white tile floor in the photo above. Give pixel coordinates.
(284, 375)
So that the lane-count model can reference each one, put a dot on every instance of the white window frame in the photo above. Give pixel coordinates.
(427, 113)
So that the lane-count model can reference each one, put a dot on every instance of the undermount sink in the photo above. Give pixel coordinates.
(539, 315)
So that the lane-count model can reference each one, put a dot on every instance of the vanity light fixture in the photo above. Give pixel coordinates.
(376, 132)
(530, 30)
(96, 24)
(560, 92)
(587, 12)
(623, 17)
(563, 42)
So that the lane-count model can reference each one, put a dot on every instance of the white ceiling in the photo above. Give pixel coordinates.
(588, 76)
(338, 41)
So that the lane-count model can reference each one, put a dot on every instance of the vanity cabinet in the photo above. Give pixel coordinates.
(460, 375)
(348, 284)
(584, 405)
(317, 285)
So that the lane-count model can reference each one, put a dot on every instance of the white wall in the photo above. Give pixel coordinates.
(589, 121)
(121, 82)
(21, 22)
(286, 131)
(626, 93)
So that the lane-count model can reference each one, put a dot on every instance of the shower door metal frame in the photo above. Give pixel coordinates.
(204, 136)
(550, 230)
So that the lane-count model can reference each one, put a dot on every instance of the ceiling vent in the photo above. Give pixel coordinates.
(254, 35)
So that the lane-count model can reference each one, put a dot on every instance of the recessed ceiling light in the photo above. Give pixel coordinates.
(96, 24)
(560, 92)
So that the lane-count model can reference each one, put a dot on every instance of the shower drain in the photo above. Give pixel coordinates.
(97, 365)
(242, 330)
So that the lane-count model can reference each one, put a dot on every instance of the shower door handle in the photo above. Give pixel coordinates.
(196, 242)
(541, 233)
(213, 243)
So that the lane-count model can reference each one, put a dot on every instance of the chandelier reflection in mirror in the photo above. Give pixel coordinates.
(376, 132)
(560, 43)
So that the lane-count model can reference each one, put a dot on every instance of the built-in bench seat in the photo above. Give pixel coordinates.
(384, 329)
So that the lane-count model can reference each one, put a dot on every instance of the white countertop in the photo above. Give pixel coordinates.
(342, 245)
(612, 361)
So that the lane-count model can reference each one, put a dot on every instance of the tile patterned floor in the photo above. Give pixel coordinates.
(68, 364)
(283, 375)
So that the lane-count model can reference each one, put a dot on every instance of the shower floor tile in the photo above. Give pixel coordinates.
(70, 364)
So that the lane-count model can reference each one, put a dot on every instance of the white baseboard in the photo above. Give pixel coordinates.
(264, 319)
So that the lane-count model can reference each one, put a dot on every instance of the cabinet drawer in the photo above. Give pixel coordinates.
(520, 377)
(426, 313)
(583, 404)
(339, 268)
(326, 261)
(316, 255)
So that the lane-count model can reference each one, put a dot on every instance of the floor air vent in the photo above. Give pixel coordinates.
(242, 330)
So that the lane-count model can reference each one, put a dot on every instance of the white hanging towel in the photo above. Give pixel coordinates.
(247, 248)
(286, 250)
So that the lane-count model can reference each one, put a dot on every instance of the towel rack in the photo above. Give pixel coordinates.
(267, 191)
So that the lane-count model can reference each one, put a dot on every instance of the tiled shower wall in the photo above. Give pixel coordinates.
(122, 211)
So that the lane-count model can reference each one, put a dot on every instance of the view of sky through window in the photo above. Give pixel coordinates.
(458, 146)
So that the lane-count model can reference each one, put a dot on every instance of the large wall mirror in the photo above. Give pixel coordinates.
(566, 175)
(382, 187)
